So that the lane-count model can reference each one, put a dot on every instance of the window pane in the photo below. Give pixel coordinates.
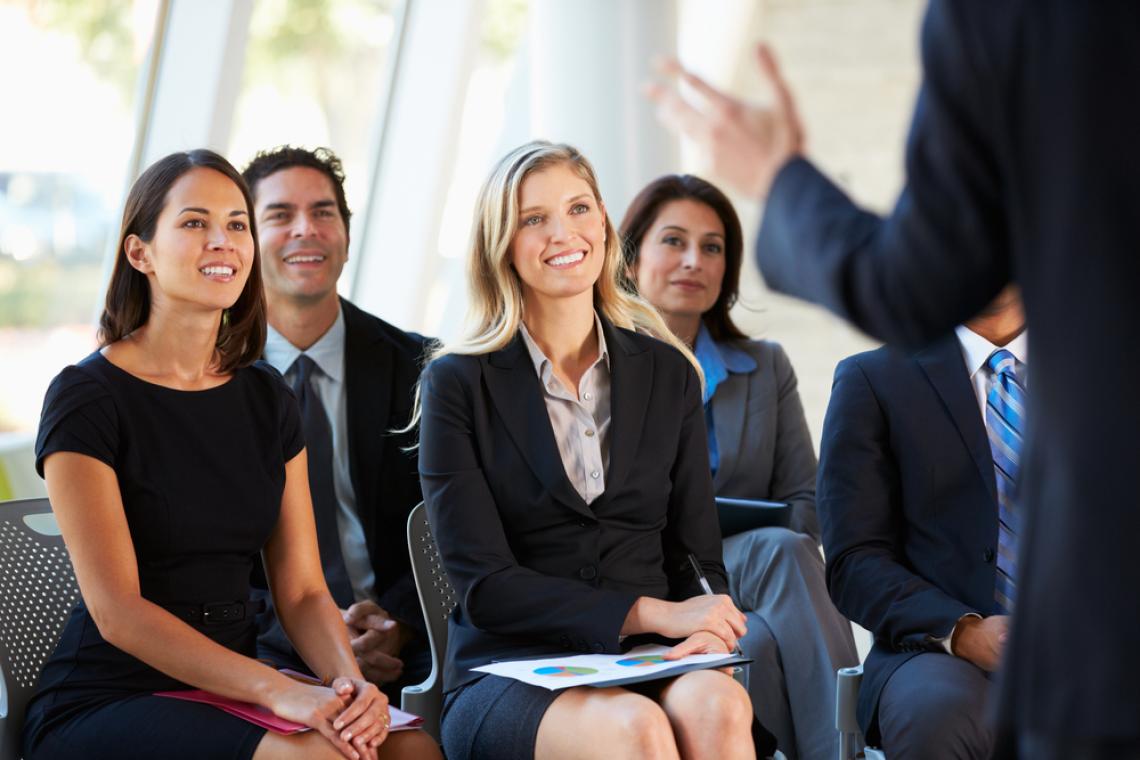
(72, 66)
(316, 75)
(496, 118)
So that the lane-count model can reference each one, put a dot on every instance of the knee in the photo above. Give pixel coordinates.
(789, 546)
(729, 707)
(641, 728)
(758, 554)
(937, 723)
(711, 704)
(410, 745)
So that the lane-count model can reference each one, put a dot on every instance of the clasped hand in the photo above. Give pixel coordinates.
(352, 713)
(376, 640)
(982, 642)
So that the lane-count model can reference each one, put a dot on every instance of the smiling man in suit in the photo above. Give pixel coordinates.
(916, 497)
(354, 376)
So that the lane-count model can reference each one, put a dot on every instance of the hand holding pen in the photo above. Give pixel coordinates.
(707, 589)
(709, 623)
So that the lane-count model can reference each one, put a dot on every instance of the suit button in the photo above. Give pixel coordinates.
(588, 573)
(988, 556)
(583, 523)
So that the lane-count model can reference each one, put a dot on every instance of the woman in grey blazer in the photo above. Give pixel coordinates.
(683, 249)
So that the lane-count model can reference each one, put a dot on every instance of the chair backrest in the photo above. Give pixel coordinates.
(437, 599)
(37, 593)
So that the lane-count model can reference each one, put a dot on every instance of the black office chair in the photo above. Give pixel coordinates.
(37, 593)
(437, 600)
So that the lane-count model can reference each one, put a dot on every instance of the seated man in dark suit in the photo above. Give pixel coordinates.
(354, 376)
(918, 462)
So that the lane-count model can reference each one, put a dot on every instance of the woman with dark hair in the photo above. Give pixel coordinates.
(683, 249)
(172, 457)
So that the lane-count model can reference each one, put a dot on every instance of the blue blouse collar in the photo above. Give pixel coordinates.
(719, 359)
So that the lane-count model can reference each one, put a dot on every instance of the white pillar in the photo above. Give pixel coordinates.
(589, 60)
(198, 77)
(188, 89)
(396, 250)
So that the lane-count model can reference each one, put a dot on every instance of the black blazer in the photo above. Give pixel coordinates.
(382, 365)
(537, 571)
(1022, 164)
(907, 503)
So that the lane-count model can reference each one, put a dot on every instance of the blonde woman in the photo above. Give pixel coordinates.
(566, 476)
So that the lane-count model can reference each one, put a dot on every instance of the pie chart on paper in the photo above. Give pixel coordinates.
(641, 662)
(564, 671)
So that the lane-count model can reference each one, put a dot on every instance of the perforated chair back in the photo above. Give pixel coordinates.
(437, 600)
(37, 593)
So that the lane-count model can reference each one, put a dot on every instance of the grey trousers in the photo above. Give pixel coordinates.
(935, 706)
(796, 638)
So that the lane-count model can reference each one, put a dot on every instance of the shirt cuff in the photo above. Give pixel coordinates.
(946, 640)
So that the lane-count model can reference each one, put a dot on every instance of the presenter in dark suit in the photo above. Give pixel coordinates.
(683, 247)
(1021, 166)
(910, 493)
(360, 374)
(566, 477)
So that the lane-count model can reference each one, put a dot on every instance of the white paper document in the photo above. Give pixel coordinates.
(643, 663)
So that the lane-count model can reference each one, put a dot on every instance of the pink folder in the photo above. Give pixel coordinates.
(260, 716)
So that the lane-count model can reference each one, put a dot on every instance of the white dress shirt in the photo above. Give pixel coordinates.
(328, 354)
(581, 423)
(976, 351)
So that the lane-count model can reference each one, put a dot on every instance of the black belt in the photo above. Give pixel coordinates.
(212, 613)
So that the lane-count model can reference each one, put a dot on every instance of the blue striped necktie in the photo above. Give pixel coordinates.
(1005, 425)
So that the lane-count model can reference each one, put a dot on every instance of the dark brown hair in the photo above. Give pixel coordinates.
(271, 161)
(241, 335)
(641, 215)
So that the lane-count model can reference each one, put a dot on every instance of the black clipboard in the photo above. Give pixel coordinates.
(740, 515)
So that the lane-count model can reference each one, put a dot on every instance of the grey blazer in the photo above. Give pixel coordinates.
(762, 436)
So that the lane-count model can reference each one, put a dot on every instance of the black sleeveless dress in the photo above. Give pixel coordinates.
(201, 475)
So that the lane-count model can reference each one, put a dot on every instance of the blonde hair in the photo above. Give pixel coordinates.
(496, 296)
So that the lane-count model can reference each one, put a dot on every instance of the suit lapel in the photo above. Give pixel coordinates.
(729, 408)
(944, 368)
(631, 384)
(516, 392)
(368, 366)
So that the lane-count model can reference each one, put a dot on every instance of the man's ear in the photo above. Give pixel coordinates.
(138, 254)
